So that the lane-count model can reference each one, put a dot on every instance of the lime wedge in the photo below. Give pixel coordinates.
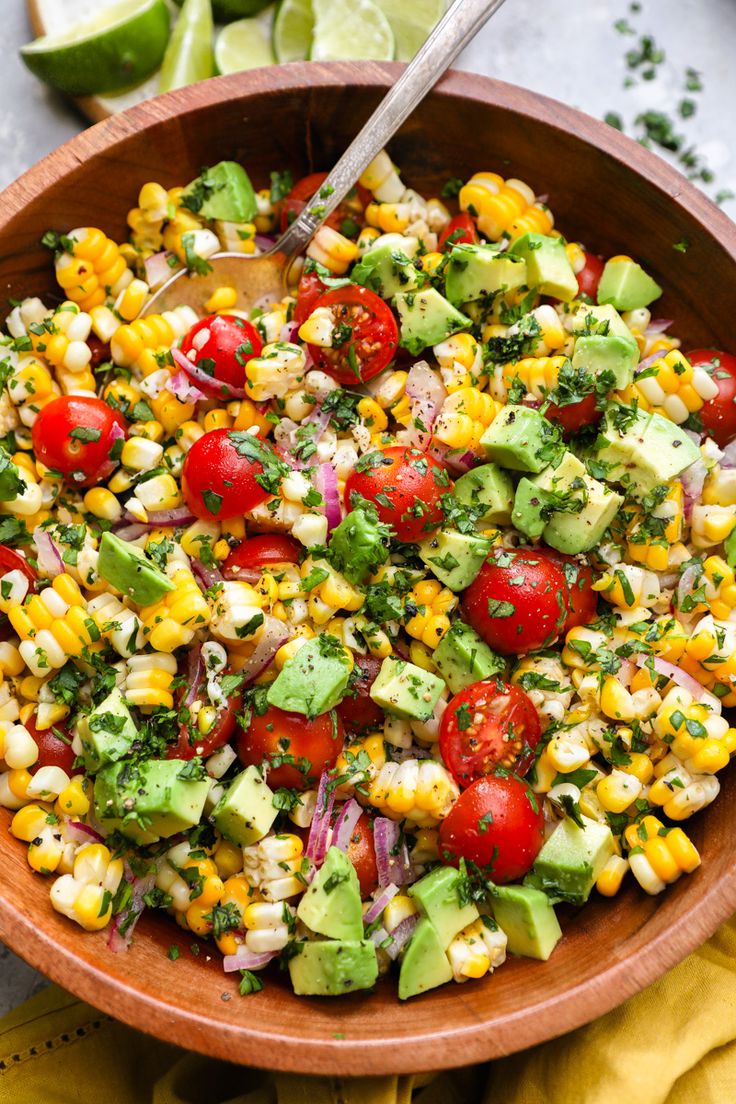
(117, 48)
(225, 11)
(243, 45)
(292, 30)
(189, 55)
(346, 30)
(411, 22)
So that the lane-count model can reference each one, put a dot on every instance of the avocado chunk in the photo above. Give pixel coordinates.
(314, 680)
(427, 318)
(521, 439)
(581, 531)
(568, 865)
(359, 544)
(454, 557)
(333, 967)
(223, 192)
(647, 450)
(405, 690)
(108, 732)
(436, 894)
(479, 271)
(129, 570)
(488, 487)
(537, 497)
(528, 920)
(616, 355)
(245, 812)
(151, 799)
(601, 321)
(331, 906)
(625, 285)
(547, 266)
(424, 964)
(462, 658)
(387, 269)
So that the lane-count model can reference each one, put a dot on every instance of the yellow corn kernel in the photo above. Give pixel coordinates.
(611, 876)
(503, 206)
(74, 800)
(222, 299)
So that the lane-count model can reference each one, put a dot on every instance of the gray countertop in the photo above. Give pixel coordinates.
(568, 49)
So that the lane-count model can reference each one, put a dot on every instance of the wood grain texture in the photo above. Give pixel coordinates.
(603, 189)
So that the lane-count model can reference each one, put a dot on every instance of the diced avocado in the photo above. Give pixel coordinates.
(150, 799)
(602, 321)
(645, 451)
(405, 690)
(314, 680)
(581, 531)
(462, 658)
(424, 964)
(537, 496)
(490, 487)
(436, 894)
(568, 865)
(625, 285)
(331, 906)
(479, 271)
(528, 920)
(454, 557)
(223, 192)
(129, 570)
(547, 266)
(333, 967)
(521, 439)
(108, 732)
(427, 318)
(359, 544)
(245, 812)
(387, 268)
(616, 355)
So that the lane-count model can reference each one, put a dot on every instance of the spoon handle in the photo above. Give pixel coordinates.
(454, 31)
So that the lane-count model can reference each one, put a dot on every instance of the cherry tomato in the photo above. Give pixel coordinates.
(223, 344)
(217, 481)
(460, 230)
(488, 725)
(347, 216)
(517, 602)
(191, 742)
(74, 435)
(574, 416)
(309, 291)
(54, 746)
(357, 709)
(406, 486)
(10, 560)
(290, 741)
(718, 414)
(590, 276)
(362, 854)
(365, 337)
(498, 824)
(257, 552)
(582, 603)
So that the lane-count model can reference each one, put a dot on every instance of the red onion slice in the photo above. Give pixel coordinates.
(48, 555)
(392, 857)
(124, 923)
(375, 909)
(401, 936)
(206, 576)
(316, 848)
(326, 483)
(687, 582)
(211, 386)
(159, 270)
(676, 674)
(659, 326)
(131, 532)
(163, 519)
(264, 241)
(693, 480)
(193, 673)
(647, 362)
(273, 636)
(456, 461)
(347, 818)
(728, 458)
(427, 392)
(182, 388)
(79, 832)
(247, 960)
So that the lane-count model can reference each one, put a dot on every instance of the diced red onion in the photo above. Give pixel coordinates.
(401, 936)
(193, 673)
(728, 459)
(163, 519)
(264, 242)
(392, 857)
(131, 532)
(453, 459)
(647, 362)
(158, 269)
(686, 584)
(120, 941)
(326, 483)
(659, 326)
(531, 403)
(625, 672)
(48, 555)
(376, 907)
(211, 386)
(316, 848)
(693, 479)
(82, 833)
(379, 936)
(207, 576)
(274, 634)
(182, 388)
(241, 574)
(427, 393)
(247, 960)
(347, 818)
(676, 674)
(694, 436)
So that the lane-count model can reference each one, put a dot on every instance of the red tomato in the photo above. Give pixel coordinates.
(223, 344)
(74, 435)
(257, 552)
(362, 854)
(574, 416)
(718, 414)
(300, 749)
(498, 824)
(217, 481)
(590, 276)
(488, 725)
(517, 600)
(346, 217)
(410, 481)
(191, 742)
(358, 709)
(582, 602)
(460, 230)
(310, 290)
(11, 560)
(54, 746)
(365, 337)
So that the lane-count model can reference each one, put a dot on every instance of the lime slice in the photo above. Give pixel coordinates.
(117, 48)
(346, 30)
(243, 45)
(411, 22)
(189, 55)
(292, 30)
(225, 11)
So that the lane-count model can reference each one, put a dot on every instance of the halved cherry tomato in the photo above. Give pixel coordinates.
(590, 276)
(405, 485)
(718, 414)
(295, 749)
(358, 709)
(54, 746)
(574, 416)
(309, 291)
(498, 824)
(364, 338)
(517, 602)
(460, 230)
(74, 435)
(223, 344)
(217, 481)
(346, 216)
(582, 602)
(362, 854)
(191, 742)
(257, 552)
(10, 560)
(488, 725)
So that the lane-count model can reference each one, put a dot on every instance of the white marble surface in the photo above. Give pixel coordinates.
(568, 49)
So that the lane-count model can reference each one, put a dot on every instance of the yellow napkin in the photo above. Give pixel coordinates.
(675, 1043)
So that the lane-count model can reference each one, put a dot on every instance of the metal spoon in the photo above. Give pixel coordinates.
(266, 275)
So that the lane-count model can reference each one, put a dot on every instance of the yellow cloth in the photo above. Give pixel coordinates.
(675, 1043)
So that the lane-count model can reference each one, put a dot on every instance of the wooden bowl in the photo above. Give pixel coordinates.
(603, 189)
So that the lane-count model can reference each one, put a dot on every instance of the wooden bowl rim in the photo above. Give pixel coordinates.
(620, 978)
